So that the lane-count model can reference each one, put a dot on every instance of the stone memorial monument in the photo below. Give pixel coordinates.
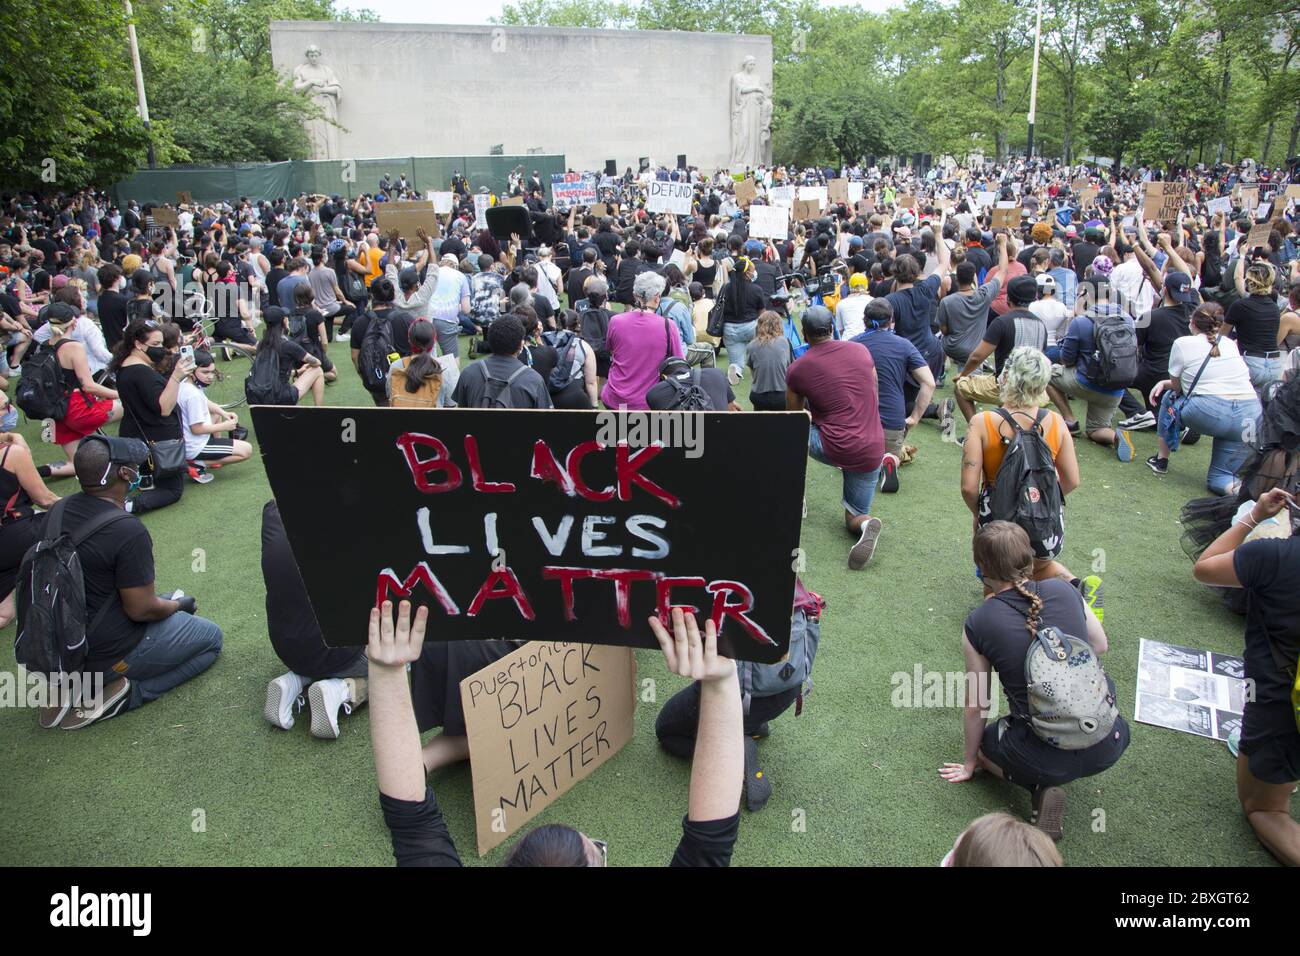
(319, 82)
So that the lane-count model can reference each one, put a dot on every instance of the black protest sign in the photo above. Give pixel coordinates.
(543, 525)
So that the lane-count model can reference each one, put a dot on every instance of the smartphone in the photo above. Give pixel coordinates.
(187, 353)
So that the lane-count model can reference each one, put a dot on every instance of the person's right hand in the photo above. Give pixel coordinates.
(1269, 504)
(183, 368)
(686, 654)
(395, 645)
(1156, 391)
(956, 772)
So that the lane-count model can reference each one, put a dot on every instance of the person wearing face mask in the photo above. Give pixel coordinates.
(149, 404)
(143, 644)
(208, 427)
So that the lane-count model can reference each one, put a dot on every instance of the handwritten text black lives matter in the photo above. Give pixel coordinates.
(435, 471)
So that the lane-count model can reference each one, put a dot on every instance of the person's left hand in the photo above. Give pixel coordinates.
(1269, 504)
(392, 645)
(686, 654)
(956, 772)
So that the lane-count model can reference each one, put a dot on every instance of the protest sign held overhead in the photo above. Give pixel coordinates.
(665, 196)
(837, 191)
(806, 209)
(407, 218)
(1162, 202)
(572, 189)
(481, 204)
(442, 201)
(539, 720)
(1006, 218)
(529, 525)
(769, 222)
(746, 191)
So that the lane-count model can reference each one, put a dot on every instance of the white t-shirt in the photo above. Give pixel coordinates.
(850, 315)
(1055, 316)
(1129, 279)
(88, 334)
(1226, 376)
(193, 405)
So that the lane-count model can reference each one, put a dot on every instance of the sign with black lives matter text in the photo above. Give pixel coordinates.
(543, 525)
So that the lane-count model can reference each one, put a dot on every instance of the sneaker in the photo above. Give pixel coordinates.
(283, 697)
(327, 697)
(45, 471)
(735, 373)
(860, 554)
(1123, 446)
(1049, 811)
(946, 415)
(111, 702)
(51, 715)
(758, 788)
(762, 730)
(1140, 421)
(805, 506)
(889, 475)
(1090, 588)
(1189, 437)
(1159, 465)
(931, 411)
(1073, 429)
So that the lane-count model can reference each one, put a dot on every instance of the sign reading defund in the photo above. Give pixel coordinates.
(543, 525)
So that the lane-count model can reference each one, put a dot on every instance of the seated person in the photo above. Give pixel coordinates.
(334, 677)
(419, 833)
(143, 644)
(676, 373)
(206, 425)
(997, 637)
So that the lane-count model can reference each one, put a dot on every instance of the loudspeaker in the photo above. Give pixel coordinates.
(871, 160)
(611, 167)
(504, 220)
(926, 160)
(916, 160)
(643, 163)
(681, 160)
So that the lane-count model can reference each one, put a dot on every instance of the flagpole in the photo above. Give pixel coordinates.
(1033, 83)
(139, 76)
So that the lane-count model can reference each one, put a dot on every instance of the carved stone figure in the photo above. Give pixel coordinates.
(319, 82)
(751, 117)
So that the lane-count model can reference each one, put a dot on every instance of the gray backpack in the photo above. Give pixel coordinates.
(795, 669)
(1071, 705)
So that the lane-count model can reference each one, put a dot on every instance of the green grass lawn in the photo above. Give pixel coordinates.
(855, 779)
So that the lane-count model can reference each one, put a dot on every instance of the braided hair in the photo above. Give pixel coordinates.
(1206, 319)
(1003, 553)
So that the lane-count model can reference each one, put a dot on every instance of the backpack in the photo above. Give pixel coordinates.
(569, 366)
(1071, 706)
(51, 597)
(795, 669)
(497, 393)
(262, 386)
(1026, 490)
(298, 330)
(42, 392)
(689, 398)
(1115, 352)
(373, 359)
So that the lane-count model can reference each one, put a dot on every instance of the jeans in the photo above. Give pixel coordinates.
(1264, 371)
(173, 650)
(736, 337)
(448, 331)
(1229, 421)
(679, 719)
(859, 488)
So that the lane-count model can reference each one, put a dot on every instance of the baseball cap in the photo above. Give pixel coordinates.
(817, 319)
(1045, 283)
(857, 281)
(674, 367)
(1102, 265)
(753, 248)
(1179, 287)
(121, 451)
(1022, 290)
(903, 232)
(1071, 231)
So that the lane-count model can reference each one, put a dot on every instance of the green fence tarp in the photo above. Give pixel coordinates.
(348, 178)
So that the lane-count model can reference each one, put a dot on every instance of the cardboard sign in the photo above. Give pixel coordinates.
(1221, 204)
(600, 210)
(513, 201)
(407, 220)
(443, 202)
(481, 203)
(165, 216)
(664, 196)
(1293, 191)
(184, 198)
(746, 193)
(769, 222)
(1162, 202)
(865, 208)
(528, 525)
(1088, 196)
(819, 193)
(781, 196)
(1079, 185)
(1258, 236)
(806, 209)
(538, 721)
(572, 189)
(905, 202)
(942, 202)
(1006, 218)
(986, 198)
(837, 191)
(1249, 198)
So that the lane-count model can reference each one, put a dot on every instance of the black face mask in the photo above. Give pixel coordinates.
(156, 353)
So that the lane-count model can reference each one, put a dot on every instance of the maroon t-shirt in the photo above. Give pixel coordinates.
(839, 381)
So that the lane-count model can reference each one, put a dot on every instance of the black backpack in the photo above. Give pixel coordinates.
(298, 330)
(51, 597)
(568, 367)
(689, 398)
(1115, 352)
(262, 386)
(373, 357)
(497, 392)
(1026, 490)
(42, 392)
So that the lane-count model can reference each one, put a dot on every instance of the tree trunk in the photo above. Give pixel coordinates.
(1295, 135)
(1223, 96)
(999, 99)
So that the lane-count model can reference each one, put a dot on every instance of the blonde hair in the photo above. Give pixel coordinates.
(1024, 378)
(769, 327)
(1259, 279)
(999, 839)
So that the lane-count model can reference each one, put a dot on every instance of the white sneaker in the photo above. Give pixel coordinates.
(282, 694)
(734, 374)
(327, 697)
(1139, 422)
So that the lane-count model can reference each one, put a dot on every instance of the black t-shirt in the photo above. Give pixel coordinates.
(116, 557)
(292, 355)
(1256, 319)
(608, 244)
(290, 620)
(112, 316)
(1084, 253)
(545, 312)
(752, 302)
(980, 259)
(1269, 569)
(398, 319)
(420, 836)
(577, 277)
(272, 281)
(543, 359)
(140, 387)
(713, 381)
(1165, 325)
(997, 630)
(1001, 333)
